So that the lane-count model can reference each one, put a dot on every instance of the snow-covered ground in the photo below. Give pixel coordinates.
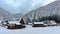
(30, 30)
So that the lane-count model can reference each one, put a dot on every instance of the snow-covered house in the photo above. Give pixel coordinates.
(45, 23)
(17, 24)
(12, 24)
(50, 22)
(39, 24)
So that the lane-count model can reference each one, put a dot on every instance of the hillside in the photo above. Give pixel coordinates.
(5, 15)
(50, 9)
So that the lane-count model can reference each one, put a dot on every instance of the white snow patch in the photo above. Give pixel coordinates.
(30, 30)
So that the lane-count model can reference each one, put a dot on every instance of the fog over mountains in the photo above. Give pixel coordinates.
(22, 6)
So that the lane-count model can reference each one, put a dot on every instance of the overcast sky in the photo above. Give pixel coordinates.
(21, 6)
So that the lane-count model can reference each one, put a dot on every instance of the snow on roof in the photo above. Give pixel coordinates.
(14, 22)
(53, 22)
(38, 23)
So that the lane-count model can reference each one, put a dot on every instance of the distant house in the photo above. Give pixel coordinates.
(29, 23)
(50, 22)
(4, 23)
(44, 23)
(39, 24)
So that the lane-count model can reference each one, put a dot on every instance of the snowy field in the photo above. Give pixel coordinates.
(30, 30)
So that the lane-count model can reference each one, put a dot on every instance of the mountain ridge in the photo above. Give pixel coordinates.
(5, 15)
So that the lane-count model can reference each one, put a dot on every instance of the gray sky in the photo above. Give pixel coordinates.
(22, 6)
